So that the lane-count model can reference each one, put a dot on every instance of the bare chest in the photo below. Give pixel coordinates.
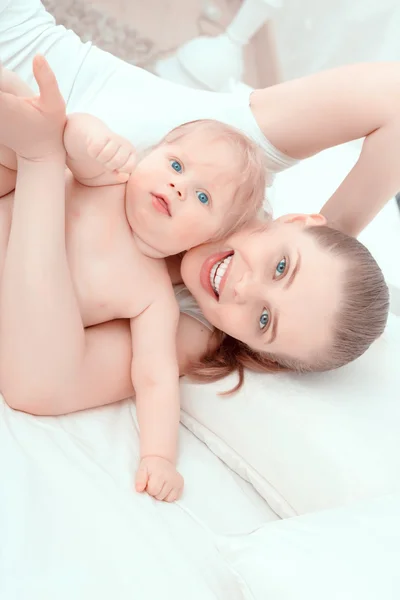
(113, 279)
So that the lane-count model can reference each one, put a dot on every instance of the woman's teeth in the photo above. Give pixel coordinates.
(217, 272)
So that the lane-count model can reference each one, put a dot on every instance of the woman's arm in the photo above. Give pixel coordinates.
(370, 184)
(42, 341)
(307, 115)
(106, 375)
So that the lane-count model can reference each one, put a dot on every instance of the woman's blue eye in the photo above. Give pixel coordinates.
(202, 196)
(176, 165)
(281, 267)
(264, 319)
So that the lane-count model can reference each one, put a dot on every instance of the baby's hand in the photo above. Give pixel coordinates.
(114, 152)
(159, 478)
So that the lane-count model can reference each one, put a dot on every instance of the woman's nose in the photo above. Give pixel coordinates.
(246, 289)
(179, 190)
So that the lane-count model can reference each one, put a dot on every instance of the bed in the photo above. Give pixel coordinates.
(292, 485)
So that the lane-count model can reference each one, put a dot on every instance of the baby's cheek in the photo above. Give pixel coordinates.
(138, 178)
(196, 230)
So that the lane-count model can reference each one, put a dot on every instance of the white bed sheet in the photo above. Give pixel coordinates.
(71, 525)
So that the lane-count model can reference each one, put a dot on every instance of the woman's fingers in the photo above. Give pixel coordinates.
(50, 95)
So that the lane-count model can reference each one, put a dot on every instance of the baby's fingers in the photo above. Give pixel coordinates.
(155, 485)
(129, 164)
(165, 490)
(118, 160)
(176, 489)
(142, 478)
(103, 150)
(174, 495)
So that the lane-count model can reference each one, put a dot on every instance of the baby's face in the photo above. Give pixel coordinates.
(182, 193)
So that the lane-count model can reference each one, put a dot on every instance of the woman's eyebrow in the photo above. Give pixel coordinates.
(293, 273)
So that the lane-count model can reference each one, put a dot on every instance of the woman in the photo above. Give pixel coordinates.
(289, 294)
(299, 118)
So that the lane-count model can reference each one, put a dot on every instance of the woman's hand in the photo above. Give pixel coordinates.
(33, 127)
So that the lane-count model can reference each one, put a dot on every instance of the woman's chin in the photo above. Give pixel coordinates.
(191, 272)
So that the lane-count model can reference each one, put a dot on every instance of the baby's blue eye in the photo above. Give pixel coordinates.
(264, 319)
(281, 267)
(202, 196)
(176, 165)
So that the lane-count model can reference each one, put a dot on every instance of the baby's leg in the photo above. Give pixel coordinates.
(12, 84)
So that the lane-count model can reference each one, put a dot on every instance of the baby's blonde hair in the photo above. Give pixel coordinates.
(250, 170)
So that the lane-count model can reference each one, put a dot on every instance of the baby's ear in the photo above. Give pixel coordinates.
(307, 220)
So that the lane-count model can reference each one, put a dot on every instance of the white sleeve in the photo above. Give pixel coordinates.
(26, 29)
(132, 101)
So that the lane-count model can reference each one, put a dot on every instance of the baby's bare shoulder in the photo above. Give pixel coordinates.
(149, 285)
(161, 285)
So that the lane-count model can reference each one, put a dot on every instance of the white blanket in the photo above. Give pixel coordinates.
(72, 528)
(71, 525)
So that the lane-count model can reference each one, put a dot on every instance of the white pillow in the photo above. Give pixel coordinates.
(347, 554)
(308, 442)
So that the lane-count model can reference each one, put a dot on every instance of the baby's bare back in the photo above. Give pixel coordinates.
(112, 278)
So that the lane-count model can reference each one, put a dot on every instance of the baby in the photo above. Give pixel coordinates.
(123, 215)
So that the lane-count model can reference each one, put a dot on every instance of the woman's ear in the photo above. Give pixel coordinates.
(316, 220)
(307, 220)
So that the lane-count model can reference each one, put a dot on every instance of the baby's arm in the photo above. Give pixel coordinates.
(155, 374)
(96, 155)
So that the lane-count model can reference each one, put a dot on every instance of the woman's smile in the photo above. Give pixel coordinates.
(214, 272)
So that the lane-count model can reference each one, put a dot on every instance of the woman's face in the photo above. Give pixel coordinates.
(274, 288)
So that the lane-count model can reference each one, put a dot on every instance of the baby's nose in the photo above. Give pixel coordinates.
(180, 192)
